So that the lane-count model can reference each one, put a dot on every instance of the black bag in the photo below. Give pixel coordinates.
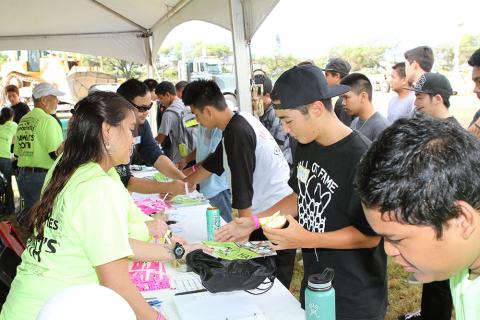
(220, 275)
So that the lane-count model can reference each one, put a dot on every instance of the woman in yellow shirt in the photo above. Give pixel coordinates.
(79, 228)
(8, 128)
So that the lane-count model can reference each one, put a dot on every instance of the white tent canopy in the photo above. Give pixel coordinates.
(125, 29)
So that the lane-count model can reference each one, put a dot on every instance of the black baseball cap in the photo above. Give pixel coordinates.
(433, 83)
(302, 85)
(338, 65)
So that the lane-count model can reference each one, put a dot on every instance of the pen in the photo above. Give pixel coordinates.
(189, 292)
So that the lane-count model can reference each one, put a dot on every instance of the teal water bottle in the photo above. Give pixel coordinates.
(320, 296)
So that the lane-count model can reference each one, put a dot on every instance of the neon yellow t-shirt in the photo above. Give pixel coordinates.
(88, 228)
(466, 296)
(7, 132)
(38, 134)
(137, 229)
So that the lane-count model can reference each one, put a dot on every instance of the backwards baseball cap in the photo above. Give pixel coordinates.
(338, 65)
(46, 89)
(434, 83)
(302, 85)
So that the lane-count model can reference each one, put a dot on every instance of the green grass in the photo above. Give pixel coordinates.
(402, 296)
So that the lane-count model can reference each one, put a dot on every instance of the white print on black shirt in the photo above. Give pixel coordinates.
(314, 197)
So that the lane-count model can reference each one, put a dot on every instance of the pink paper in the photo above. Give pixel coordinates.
(148, 276)
(149, 206)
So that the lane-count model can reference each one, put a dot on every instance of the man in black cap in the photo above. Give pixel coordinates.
(332, 229)
(432, 95)
(335, 70)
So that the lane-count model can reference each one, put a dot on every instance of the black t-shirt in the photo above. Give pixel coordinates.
(19, 110)
(323, 180)
(146, 151)
(240, 144)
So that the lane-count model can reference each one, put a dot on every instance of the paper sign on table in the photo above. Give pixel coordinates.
(240, 250)
(148, 276)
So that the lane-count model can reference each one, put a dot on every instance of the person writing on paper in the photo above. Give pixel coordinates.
(146, 149)
(79, 228)
(332, 229)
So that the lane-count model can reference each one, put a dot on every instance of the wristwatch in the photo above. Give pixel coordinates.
(178, 251)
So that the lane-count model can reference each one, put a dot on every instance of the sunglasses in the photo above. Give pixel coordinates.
(144, 108)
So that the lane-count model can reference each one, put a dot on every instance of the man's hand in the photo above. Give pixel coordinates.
(156, 228)
(237, 230)
(188, 171)
(178, 187)
(292, 237)
(181, 164)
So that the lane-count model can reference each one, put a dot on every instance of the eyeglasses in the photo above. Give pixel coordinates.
(144, 108)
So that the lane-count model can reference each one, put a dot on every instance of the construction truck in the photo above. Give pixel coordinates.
(208, 68)
(26, 68)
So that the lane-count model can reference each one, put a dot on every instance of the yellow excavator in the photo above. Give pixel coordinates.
(26, 68)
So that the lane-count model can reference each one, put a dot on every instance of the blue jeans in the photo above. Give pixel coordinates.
(223, 201)
(6, 169)
(30, 186)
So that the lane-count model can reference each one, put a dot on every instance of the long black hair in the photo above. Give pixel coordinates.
(84, 144)
(6, 114)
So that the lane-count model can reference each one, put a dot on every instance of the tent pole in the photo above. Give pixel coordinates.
(241, 56)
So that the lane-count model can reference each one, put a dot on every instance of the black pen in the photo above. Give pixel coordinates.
(188, 292)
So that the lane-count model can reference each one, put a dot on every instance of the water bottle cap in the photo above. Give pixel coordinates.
(321, 281)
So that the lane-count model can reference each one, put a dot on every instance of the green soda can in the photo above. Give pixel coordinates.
(213, 222)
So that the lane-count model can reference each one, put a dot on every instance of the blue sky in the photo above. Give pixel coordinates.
(308, 28)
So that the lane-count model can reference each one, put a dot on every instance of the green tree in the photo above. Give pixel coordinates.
(362, 56)
(274, 66)
(3, 58)
(90, 61)
(444, 58)
(124, 69)
(468, 44)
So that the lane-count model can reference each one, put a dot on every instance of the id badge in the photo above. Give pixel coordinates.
(302, 173)
(182, 147)
(137, 140)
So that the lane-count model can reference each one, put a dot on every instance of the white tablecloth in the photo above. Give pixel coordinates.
(277, 304)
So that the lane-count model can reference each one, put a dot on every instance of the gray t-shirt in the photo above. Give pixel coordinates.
(401, 108)
(371, 127)
(171, 127)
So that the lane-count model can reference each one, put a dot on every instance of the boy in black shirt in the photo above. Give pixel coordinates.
(332, 230)
(19, 108)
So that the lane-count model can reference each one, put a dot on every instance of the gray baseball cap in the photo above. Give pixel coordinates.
(46, 89)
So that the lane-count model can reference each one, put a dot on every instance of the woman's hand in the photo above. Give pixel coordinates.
(156, 228)
(194, 246)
